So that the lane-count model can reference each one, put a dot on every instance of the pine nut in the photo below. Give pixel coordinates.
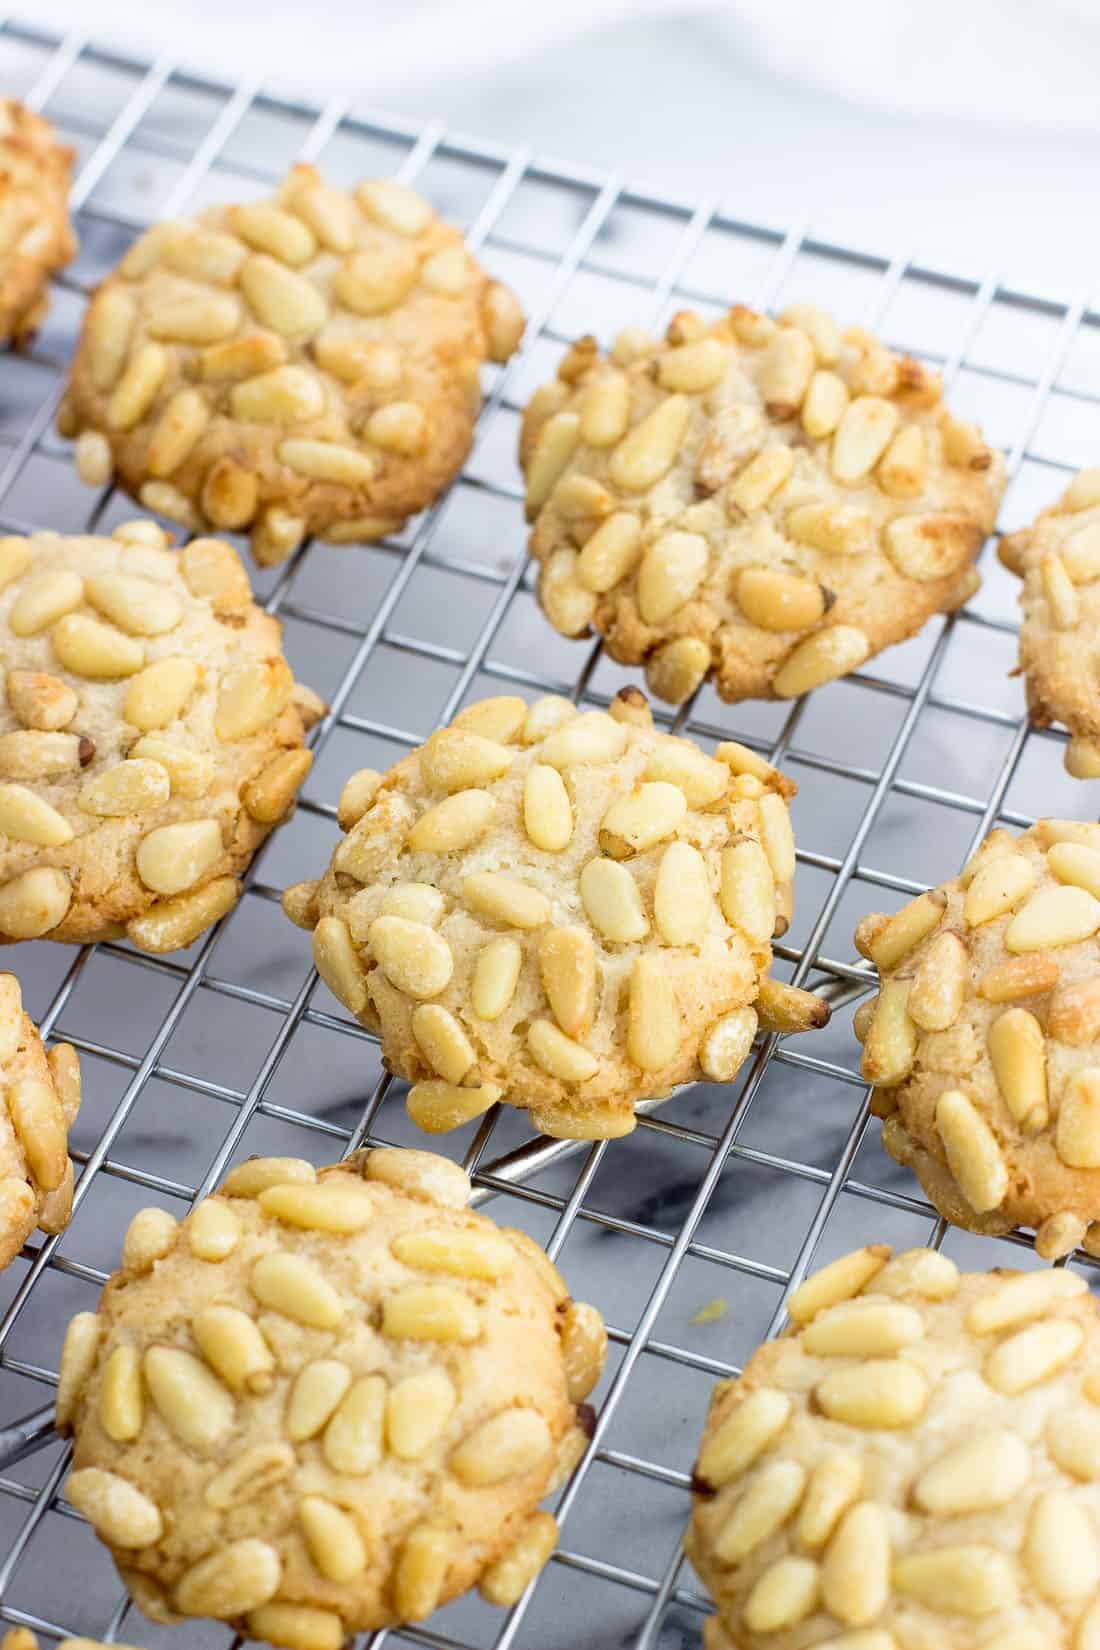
(421, 1572)
(675, 670)
(206, 318)
(108, 327)
(1078, 1130)
(784, 1595)
(26, 817)
(332, 1539)
(547, 812)
(583, 1349)
(642, 818)
(116, 1509)
(337, 961)
(1074, 1015)
(863, 435)
(855, 1576)
(466, 1254)
(1020, 1299)
(333, 1205)
(277, 534)
(297, 1627)
(177, 430)
(271, 793)
(121, 1404)
(174, 857)
(611, 553)
(317, 1391)
(677, 762)
(192, 1403)
(500, 718)
(903, 468)
(605, 410)
(996, 887)
(40, 701)
(746, 890)
(963, 444)
(725, 1048)
(762, 476)
(15, 558)
(454, 760)
(436, 1106)
(233, 1346)
(743, 761)
(293, 1286)
(138, 387)
(742, 1436)
(591, 737)
(905, 929)
(1053, 917)
(32, 755)
(413, 957)
(326, 461)
(976, 1476)
(1081, 494)
(939, 984)
(967, 1580)
(769, 1500)
(554, 447)
(212, 570)
(1025, 976)
(1063, 602)
(693, 367)
(44, 599)
(505, 899)
(891, 1044)
(837, 529)
(1082, 758)
(923, 1272)
(819, 327)
(431, 1312)
(238, 1576)
(285, 395)
(653, 1024)
(823, 407)
(400, 427)
(930, 547)
(98, 651)
(453, 824)
(504, 321)
(839, 1281)
(1076, 864)
(393, 205)
(507, 1579)
(1073, 1439)
(34, 902)
(496, 973)
(784, 373)
(1025, 1359)
(973, 1154)
(1059, 1551)
(255, 1174)
(356, 797)
(78, 1357)
(1059, 1235)
(251, 1475)
(167, 500)
(682, 900)
(566, 1122)
(819, 659)
(172, 924)
(446, 272)
(269, 229)
(833, 1487)
(862, 1329)
(150, 1236)
(511, 1444)
(882, 1392)
(567, 969)
(1080, 554)
(442, 1042)
(612, 902)
(670, 573)
(558, 1055)
(158, 694)
(39, 1124)
(212, 1229)
(779, 601)
(1017, 1049)
(128, 788)
(282, 300)
(648, 450)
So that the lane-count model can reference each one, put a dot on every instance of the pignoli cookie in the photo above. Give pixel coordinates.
(767, 503)
(41, 1090)
(150, 736)
(305, 364)
(35, 235)
(915, 1464)
(327, 1401)
(568, 911)
(982, 1042)
(1058, 559)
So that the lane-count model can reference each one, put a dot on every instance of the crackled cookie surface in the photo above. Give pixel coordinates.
(766, 504)
(916, 1465)
(35, 235)
(150, 735)
(306, 364)
(567, 911)
(41, 1098)
(327, 1401)
(1058, 558)
(983, 1039)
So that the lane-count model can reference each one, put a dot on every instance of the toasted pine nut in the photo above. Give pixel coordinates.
(782, 1596)
(903, 467)
(746, 890)
(336, 1204)
(674, 671)
(838, 529)
(317, 1390)
(417, 1410)
(555, 446)
(567, 969)
(513, 1443)
(670, 573)
(1025, 1359)
(453, 824)
(1024, 976)
(455, 759)
(281, 299)
(974, 1580)
(421, 1571)
(973, 1154)
(255, 1174)
(150, 1236)
(1017, 1049)
(116, 1509)
(762, 476)
(645, 816)
(784, 373)
(855, 1573)
(863, 435)
(504, 899)
(505, 1581)
(34, 902)
(431, 1312)
(653, 1027)
(138, 387)
(437, 1106)
(297, 1627)
(742, 1436)
(771, 1496)
(939, 984)
(834, 1486)
(826, 654)
(840, 1280)
(495, 975)
(292, 1285)
(877, 1392)
(235, 1578)
(648, 451)
(108, 327)
(212, 1230)
(442, 1042)
(78, 1356)
(192, 1402)
(414, 958)
(612, 902)
(233, 1346)
(779, 601)
(682, 898)
(558, 1055)
(1078, 1131)
(1051, 918)
(605, 410)
(547, 811)
(823, 408)
(905, 929)
(693, 367)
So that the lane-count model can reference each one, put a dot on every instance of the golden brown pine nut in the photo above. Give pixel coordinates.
(973, 1154)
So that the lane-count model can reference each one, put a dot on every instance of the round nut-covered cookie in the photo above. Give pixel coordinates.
(305, 364)
(150, 736)
(35, 234)
(327, 1401)
(984, 1040)
(1058, 559)
(765, 503)
(915, 1465)
(41, 1090)
(569, 911)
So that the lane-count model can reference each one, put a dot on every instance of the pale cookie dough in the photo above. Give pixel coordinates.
(41, 1090)
(306, 364)
(150, 736)
(765, 504)
(35, 234)
(915, 1466)
(566, 911)
(1058, 558)
(327, 1401)
(983, 1039)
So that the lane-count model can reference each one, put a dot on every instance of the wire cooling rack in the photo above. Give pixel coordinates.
(688, 1233)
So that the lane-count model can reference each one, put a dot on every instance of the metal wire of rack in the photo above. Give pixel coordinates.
(689, 1233)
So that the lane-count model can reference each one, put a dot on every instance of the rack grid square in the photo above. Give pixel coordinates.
(722, 1194)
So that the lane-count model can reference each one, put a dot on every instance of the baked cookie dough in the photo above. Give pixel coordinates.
(916, 1464)
(983, 1040)
(566, 911)
(35, 234)
(327, 1401)
(307, 364)
(150, 736)
(42, 1097)
(764, 503)
(1058, 558)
